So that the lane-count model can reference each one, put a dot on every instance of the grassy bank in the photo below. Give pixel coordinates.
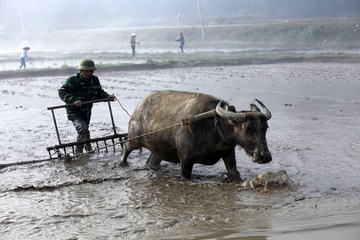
(340, 34)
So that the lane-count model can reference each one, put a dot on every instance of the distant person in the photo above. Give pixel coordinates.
(23, 56)
(178, 19)
(81, 87)
(133, 43)
(182, 42)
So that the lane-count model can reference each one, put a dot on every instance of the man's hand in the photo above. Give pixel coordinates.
(78, 103)
(112, 97)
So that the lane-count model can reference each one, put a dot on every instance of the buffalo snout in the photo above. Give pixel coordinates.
(262, 158)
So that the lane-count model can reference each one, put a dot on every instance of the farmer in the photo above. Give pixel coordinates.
(178, 19)
(83, 86)
(23, 56)
(182, 41)
(133, 43)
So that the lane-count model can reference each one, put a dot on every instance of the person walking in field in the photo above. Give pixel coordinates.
(81, 87)
(182, 41)
(178, 19)
(23, 56)
(133, 43)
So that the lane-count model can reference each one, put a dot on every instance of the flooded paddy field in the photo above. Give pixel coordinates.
(314, 136)
(55, 59)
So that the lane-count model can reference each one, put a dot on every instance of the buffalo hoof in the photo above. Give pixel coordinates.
(120, 164)
(123, 164)
(231, 179)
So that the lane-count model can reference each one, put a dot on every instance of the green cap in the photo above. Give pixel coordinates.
(87, 64)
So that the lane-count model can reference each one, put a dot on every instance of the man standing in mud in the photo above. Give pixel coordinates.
(83, 86)
(182, 42)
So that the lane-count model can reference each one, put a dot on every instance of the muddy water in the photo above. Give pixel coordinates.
(73, 63)
(314, 136)
(10, 61)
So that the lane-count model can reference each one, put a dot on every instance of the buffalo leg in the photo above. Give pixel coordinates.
(230, 164)
(153, 161)
(186, 169)
(123, 160)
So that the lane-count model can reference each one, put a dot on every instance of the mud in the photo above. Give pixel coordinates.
(313, 136)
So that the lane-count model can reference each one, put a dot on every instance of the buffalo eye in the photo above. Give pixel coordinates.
(250, 129)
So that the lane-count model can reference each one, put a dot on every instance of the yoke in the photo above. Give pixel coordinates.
(121, 137)
(191, 119)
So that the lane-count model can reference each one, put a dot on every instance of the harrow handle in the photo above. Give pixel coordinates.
(83, 103)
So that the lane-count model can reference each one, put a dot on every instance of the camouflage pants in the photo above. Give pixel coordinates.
(83, 132)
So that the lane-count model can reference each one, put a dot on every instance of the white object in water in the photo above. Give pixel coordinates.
(279, 177)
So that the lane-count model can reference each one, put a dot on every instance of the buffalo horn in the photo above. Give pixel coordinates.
(239, 116)
(267, 112)
(229, 115)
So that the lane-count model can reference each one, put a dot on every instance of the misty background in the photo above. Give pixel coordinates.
(45, 15)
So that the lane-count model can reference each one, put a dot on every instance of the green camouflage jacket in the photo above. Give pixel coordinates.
(77, 88)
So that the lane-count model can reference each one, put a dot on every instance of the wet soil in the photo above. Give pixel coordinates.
(313, 136)
(58, 64)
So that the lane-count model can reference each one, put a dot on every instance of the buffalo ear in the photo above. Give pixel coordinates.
(232, 109)
(254, 108)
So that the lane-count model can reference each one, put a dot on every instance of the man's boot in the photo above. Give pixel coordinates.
(87, 145)
(79, 148)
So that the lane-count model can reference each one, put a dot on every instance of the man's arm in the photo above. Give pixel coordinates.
(66, 93)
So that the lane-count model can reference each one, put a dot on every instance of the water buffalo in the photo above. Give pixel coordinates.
(204, 141)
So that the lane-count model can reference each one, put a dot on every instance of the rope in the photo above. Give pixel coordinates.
(111, 145)
(122, 107)
(68, 157)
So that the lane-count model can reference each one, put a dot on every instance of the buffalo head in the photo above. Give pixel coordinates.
(249, 130)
